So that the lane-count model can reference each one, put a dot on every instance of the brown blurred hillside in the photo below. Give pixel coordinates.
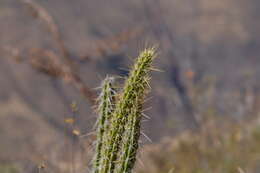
(209, 58)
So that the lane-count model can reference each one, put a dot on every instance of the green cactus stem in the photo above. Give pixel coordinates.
(105, 108)
(126, 118)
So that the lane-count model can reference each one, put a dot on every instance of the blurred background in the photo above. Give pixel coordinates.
(205, 98)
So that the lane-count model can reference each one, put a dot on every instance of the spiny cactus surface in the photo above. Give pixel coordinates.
(117, 147)
(105, 108)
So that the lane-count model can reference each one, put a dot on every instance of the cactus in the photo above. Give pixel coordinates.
(105, 108)
(116, 152)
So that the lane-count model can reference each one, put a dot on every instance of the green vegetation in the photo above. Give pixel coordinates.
(8, 168)
(105, 109)
(118, 130)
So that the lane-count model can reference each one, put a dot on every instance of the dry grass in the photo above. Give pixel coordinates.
(221, 146)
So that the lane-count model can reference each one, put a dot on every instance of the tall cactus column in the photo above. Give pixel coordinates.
(120, 143)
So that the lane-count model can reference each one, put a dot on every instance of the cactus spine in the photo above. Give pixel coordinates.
(105, 108)
(120, 143)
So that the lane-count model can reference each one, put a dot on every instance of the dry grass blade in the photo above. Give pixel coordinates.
(54, 65)
(240, 170)
(42, 14)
